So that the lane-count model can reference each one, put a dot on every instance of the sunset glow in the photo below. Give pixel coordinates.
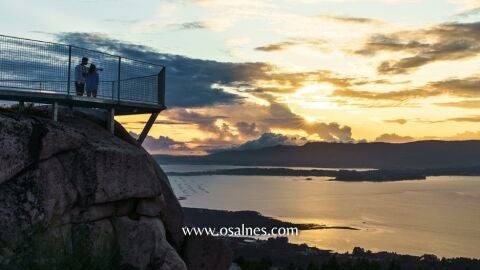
(323, 69)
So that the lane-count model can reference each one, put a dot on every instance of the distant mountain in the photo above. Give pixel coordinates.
(414, 155)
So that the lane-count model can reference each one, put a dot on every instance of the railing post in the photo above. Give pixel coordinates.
(118, 86)
(55, 111)
(69, 68)
(161, 87)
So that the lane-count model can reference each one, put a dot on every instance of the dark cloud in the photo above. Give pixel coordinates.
(204, 122)
(381, 42)
(189, 81)
(403, 65)
(442, 42)
(247, 129)
(192, 82)
(464, 87)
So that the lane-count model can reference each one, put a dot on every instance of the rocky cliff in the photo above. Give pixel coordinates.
(70, 192)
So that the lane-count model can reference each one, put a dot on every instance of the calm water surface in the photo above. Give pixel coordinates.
(440, 215)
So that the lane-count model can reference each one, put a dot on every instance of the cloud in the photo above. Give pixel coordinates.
(459, 87)
(268, 140)
(350, 20)
(122, 21)
(330, 131)
(396, 121)
(318, 44)
(401, 95)
(189, 81)
(469, 7)
(218, 130)
(468, 13)
(198, 85)
(247, 129)
(192, 25)
(392, 43)
(462, 87)
(280, 116)
(204, 83)
(443, 42)
(394, 138)
(467, 135)
(204, 122)
(289, 82)
(224, 131)
(276, 46)
(466, 104)
(473, 119)
(463, 136)
(164, 145)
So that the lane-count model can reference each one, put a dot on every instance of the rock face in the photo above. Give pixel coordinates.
(206, 253)
(73, 180)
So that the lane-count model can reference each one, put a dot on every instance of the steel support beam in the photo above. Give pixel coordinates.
(111, 120)
(55, 111)
(21, 106)
(147, 127)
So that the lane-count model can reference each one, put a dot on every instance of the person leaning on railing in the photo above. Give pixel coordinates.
(91, 81)
(80, 73)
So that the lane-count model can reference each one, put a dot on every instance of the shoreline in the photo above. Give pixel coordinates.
(336, 175)
(374, 175)
(283, 253)
(200, 217)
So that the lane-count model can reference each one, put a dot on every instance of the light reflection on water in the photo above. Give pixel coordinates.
(439, 215)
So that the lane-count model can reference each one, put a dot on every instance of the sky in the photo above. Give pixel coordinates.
(249, 74)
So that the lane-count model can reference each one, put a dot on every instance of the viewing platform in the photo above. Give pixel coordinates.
(44, 72)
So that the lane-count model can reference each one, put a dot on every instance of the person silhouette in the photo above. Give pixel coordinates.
(91, 81)
(80, 73)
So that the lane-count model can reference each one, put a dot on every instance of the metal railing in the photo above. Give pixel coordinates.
(46, 67)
